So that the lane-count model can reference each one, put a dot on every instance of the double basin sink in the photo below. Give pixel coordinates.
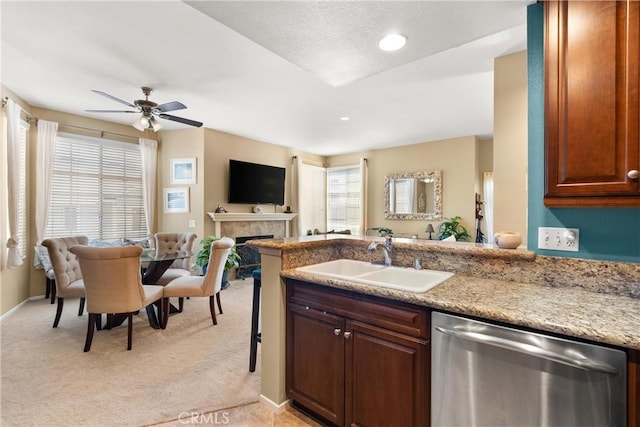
(405, 279)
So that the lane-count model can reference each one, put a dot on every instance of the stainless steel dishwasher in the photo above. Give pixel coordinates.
(484, 374)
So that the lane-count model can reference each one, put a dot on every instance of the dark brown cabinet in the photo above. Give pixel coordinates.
(592, 150)
(357, 360)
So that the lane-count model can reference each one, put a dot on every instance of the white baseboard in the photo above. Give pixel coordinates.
(277, 408)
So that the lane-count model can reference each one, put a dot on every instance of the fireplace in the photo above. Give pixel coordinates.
(250, 256)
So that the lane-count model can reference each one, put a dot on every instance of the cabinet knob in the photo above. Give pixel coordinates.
(337, 331)
(347, 335)
(633, 174)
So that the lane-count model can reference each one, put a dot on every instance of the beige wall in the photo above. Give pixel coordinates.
(213, 149)
(456, 158)
(510, 143)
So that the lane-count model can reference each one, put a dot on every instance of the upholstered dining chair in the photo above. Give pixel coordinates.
(175, 242)
(113, 284)
(208, 285)
(68, 277)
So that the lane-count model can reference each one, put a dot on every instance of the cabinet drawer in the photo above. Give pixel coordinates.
(396, 316)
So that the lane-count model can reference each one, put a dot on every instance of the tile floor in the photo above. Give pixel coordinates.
(251, 415)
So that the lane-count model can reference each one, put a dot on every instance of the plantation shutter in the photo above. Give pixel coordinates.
(343, 199)
(96, 189)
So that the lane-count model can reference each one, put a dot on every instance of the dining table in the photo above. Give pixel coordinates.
(153, 264)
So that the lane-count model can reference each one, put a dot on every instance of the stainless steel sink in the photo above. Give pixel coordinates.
(406, 279)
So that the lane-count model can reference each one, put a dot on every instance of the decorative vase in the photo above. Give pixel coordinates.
(507, 239)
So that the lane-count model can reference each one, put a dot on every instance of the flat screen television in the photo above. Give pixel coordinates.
(255, 183)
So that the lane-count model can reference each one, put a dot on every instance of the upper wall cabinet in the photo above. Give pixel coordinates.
(592, 153)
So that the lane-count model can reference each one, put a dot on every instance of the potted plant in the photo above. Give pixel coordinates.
(452, 227)
(202, 259)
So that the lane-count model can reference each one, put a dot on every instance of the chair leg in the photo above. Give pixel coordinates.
(53, 291)
(81, 308)
(47, 289)
(180, 304)
(129, 330)
(158, 305)
(255, 310)
(90, 328)
(58, 312)
(165, 313)
(219, 304)
(212, 309)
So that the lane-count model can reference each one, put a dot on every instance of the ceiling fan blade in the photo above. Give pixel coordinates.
(181, 120)
(170, 106)
(113, 98)
(111, 111)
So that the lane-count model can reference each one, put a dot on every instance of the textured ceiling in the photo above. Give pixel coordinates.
(337, 41)
(279, 72)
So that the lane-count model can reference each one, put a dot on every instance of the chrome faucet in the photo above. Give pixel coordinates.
(387, 249)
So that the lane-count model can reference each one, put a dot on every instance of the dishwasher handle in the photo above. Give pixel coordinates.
(532, 350)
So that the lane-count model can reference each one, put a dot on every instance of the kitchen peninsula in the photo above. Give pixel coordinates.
(590, 300)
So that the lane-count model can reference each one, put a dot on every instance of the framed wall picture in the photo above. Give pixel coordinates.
(183, 171)
(176, 200)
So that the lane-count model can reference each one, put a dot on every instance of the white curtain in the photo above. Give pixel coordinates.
(363, 195)
(149, 155)
(487, 178)
(45, 150)
(297, 193)
(14, 257)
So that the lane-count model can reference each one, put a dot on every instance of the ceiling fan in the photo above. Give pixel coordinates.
(149, 110)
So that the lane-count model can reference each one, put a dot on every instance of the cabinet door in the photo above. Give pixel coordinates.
(591, 103)
(387, 378)
(315, 361)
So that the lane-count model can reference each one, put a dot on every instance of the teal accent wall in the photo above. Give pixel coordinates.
(611, 234)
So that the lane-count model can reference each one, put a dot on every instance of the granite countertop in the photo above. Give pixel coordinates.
(592, 300)
(571, 311)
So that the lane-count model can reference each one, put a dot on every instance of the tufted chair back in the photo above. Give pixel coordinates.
(217, 258)
(65, 264)
(174, 242)
(112, 279)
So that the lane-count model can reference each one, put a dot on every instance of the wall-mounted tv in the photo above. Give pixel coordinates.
(255, 183)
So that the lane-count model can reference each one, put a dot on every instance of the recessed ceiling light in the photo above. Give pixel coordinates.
(392, 42)
(345, 118)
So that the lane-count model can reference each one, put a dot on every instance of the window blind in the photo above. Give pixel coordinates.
(96, 189)
(343, 199)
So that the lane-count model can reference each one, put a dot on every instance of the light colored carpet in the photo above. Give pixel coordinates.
(192, 366)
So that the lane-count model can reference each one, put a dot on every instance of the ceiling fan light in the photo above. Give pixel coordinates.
(144, 121)
(154, 124)
(138, 126)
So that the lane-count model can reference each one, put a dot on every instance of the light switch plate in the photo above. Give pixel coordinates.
(559, 239)
(192, 223)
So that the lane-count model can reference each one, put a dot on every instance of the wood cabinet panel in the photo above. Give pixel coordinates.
(356, 359)
(633, 398)
(387, 381)
(394, 315)
(591, 103)
(315, 361)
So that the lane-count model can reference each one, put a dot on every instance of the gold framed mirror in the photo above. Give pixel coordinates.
(413, 195)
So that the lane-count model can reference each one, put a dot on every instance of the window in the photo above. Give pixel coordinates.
(344, 199)
(96, 189)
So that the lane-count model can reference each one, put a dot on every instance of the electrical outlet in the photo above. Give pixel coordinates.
(559, 239)
(192, 223)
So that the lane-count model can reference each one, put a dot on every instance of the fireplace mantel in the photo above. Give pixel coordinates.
(219, 218)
